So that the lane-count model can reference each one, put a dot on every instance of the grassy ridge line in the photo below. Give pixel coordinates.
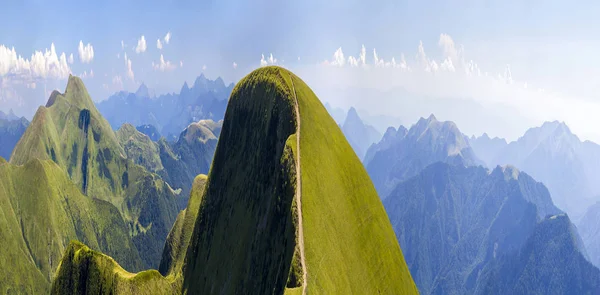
(299, 191)
(345, 225)
(85, 271)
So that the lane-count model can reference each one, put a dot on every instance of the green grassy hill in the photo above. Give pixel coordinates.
(70, 131)
(284, 209)
(41, 210)
(177, 163)
(181, 233)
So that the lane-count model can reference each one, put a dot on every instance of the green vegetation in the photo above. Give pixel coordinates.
(345, 225)
(139, 148)
(84, 271)
(247, 228)
(40, 211)
(177, 163)
(70, 131)
(244, 238)
(181, 233)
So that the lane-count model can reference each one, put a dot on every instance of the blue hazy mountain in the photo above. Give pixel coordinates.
(169, 113)
(9, 117)
(558, 158)
(487, 148)
(11, 130)
(589, 228)
(337, 114)
(466, 230)
(548, 263)
(359, 135)
(150, 131)
(402, 154)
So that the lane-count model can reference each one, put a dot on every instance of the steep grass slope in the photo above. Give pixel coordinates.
(181, 233)
(349, 243)
(41, 210)
(70, 131)
(84, 271)
(284, 209)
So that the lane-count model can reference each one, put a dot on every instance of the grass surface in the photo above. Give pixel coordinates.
(244, 236)
(70, 131)
(349, 242)
(41, 210)
(84, 271)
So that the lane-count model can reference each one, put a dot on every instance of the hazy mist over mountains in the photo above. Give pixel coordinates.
(299, 147)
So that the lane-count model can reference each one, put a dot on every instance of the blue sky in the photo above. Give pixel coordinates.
(549, 48)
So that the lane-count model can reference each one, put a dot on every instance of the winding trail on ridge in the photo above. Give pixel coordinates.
(299, 193)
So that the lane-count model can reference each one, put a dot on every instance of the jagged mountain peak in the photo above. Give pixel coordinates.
(143, 91)
(509, 172)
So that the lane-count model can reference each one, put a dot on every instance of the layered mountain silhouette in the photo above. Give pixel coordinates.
(10, 116)
(359, 135)
(11, 130)
(70, 132)
(286, 208)
(169, 113)
(403, 153)
(486, 148)
(555, 156)
(468, 230)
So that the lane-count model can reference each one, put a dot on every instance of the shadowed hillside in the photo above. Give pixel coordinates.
(287, 205)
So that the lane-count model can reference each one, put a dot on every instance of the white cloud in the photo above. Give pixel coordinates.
(269, 61)
(168, 37)
(163, 65)
(338, 58)
(86, 75)
(130, 74)
(159, 44)
(117, 81)
(507, 77)
(43, 65)
(86, 53)
(71, 60)
(122, 44)
(519, 104)
(235, 65)
(263, 62)
(204, 67)
(181, 63)
(141, 45)
(448, 47)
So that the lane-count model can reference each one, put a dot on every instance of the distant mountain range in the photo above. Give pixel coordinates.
(486, 148)
(359, 135)
(11, 130)
(8, 117)
(555, 156)
(169, 113)
(467, 230)
(403, 153)
(589, 228)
